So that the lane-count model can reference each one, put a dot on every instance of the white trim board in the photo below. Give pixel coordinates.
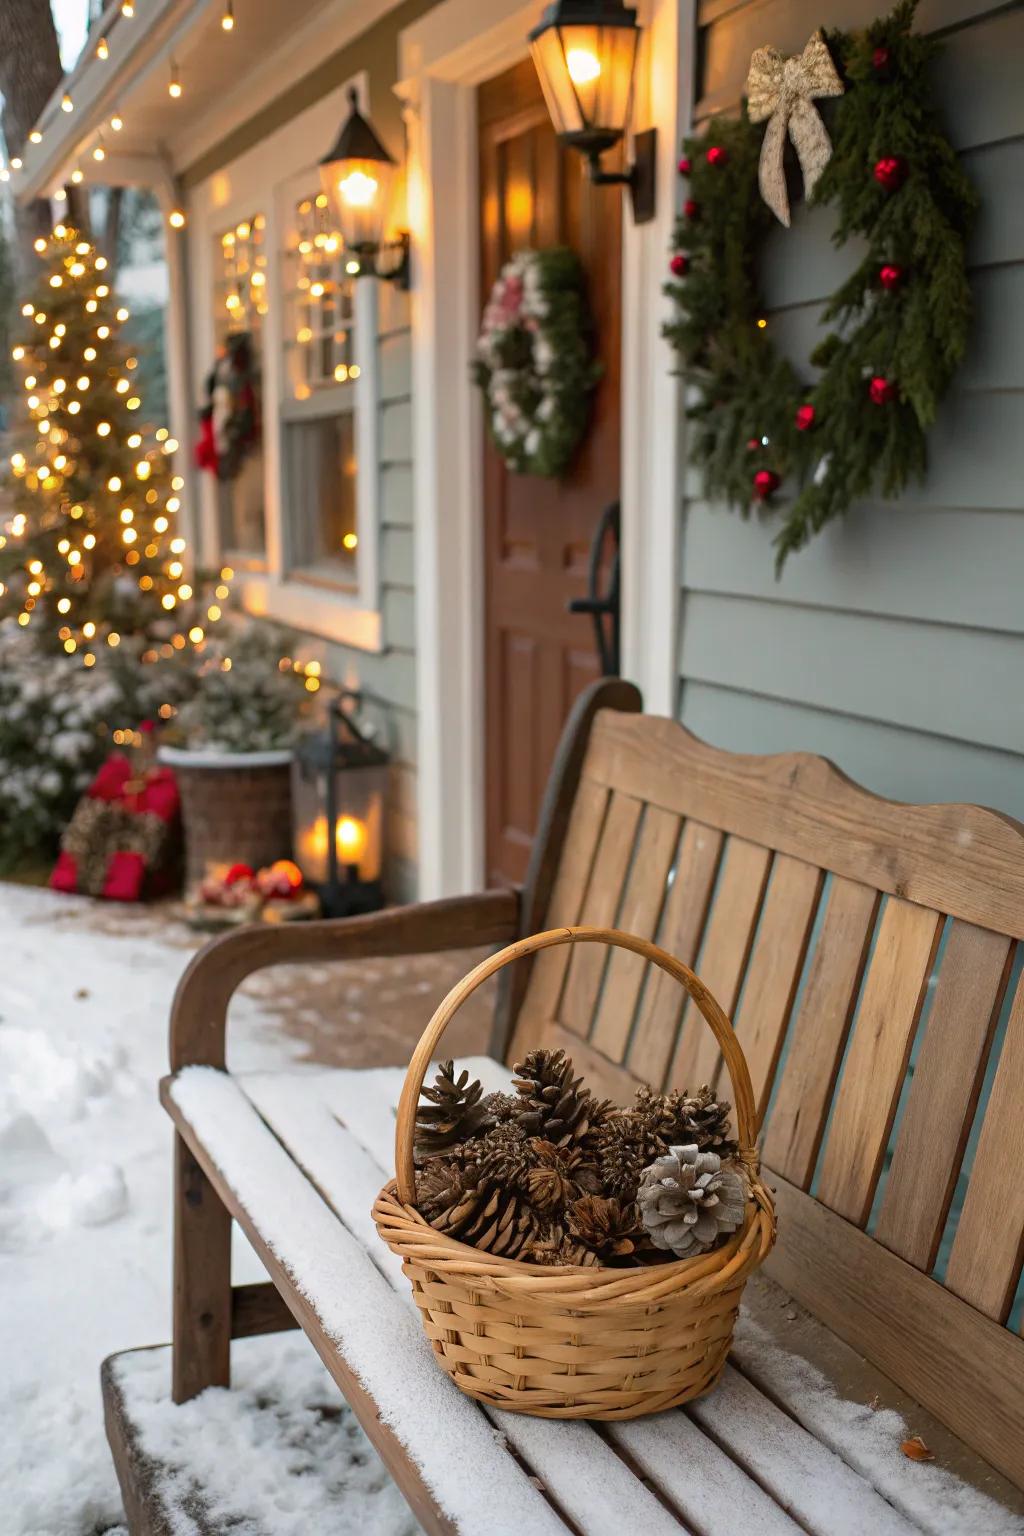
(442, 58)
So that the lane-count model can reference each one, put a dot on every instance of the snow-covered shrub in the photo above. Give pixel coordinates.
(248, 695)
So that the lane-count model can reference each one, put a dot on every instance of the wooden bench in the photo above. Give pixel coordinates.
(866, 951)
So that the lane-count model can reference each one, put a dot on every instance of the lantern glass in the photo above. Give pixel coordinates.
(359, 193)
(358, 815)
(586, 73)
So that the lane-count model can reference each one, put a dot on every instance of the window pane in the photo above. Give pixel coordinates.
(322, 462)
(240, 303)
(319, 330)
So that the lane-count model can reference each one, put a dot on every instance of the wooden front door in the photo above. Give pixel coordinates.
(538, 532)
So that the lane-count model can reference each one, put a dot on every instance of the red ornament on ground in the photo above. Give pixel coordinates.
(880, 60)
(691, 208)
(684, 166)
(805, 415)
(890, 276)
(882, 391)
(679, 264)
(765, 482)
(717, 155)
(890, 172)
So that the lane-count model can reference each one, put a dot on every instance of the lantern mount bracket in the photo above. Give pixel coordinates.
(639, 178)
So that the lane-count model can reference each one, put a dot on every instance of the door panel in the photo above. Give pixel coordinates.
(538, 532)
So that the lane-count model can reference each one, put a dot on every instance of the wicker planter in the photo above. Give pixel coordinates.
(574, 1343)
(236, 807)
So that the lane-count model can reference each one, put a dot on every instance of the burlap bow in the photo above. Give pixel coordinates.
(783, 90)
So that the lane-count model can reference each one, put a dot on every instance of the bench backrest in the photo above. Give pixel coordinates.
(866, 952)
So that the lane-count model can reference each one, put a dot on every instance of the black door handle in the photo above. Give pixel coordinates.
(604, 610)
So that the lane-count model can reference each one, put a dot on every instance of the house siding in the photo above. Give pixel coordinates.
(895, 642)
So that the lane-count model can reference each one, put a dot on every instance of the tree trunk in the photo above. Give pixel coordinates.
(30, 71)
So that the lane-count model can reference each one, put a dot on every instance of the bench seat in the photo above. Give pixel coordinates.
(801, 1434)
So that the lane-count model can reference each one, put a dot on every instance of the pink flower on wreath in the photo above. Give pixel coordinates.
(506, 303)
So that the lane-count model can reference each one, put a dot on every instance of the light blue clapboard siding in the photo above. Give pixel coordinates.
(895, 643)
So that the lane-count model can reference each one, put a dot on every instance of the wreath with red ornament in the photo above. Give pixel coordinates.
(897, 327)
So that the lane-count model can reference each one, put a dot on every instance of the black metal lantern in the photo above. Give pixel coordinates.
(357, 175)
(585, 55)
(339, 785)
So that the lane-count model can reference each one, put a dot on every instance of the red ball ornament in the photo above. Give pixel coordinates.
(766, 481)
(804, 418)
(881, 58)
(717, 155)
(890, 172)
(691, 208)
(890, 276)
(684, 166)
(753, 444)
(882, 391)
(679, 264)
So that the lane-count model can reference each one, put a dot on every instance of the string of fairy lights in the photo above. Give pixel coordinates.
(81, 395)
(103, 50)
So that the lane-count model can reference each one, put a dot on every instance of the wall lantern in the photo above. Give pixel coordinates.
(357, 175)
(339, 782)
(585, 54)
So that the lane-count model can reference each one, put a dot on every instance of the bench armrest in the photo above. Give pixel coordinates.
(200, 1007)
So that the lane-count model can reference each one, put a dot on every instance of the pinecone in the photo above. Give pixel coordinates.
(687, 1201)
(705, 1120)
(502, 1154)
(454, 1113)
(439, 1185)
(552, 1246)
(551, 1184)
(552, 1103)
(623, 1146)
(487, 1217)
(603, 1226)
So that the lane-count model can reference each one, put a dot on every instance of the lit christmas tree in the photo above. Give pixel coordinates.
(92, 551)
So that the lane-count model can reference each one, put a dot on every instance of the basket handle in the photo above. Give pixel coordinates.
(732, 1051)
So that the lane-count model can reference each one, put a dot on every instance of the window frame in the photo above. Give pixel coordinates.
(312, 597)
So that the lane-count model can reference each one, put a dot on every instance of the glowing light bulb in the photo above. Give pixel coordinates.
(66, 104)
(103, 49)
(103, 430)
(101, 263)
(227, 20)
(127, 515)
(89, 354)
(195, 634)
(89, 542)
(358, 190)
(103, 331)
(176, 218)
(122, 314)
(99, 153)
(117, 122)
(77, 175)
(168, 600)
(350, 541)
(129, 535)
(160, 525)
(35, 137)
(82, 382)
(39, 244)
(114, 483)
(89, 629)
(174, 84)
(584, 67)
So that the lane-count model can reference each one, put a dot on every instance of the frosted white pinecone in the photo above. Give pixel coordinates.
(688, 1201)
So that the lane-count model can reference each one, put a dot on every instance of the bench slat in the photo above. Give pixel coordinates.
(797, 1120)
(883, 1033)
(682, 929)
(774, 971)
(828, 1497)
(723, 956)
(701, 1479)
(641, 908)
(600, 910)
(422, 1427)
(547, 972)
(985, 1262)
(948, 1075)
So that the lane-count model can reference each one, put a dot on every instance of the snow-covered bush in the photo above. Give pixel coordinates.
(248, 695)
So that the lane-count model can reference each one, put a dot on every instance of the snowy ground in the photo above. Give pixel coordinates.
(84, 1197)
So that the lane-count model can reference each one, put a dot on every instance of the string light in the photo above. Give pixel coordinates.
(127, 9)
(35, 137)
(117, 122)
(174, 84)
(66, 104)
(103, 49)
(77, 175)
(176, 218)
(99, 153)
(227, 20)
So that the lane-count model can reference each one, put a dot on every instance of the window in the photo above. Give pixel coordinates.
(240, 303)
(328, 322)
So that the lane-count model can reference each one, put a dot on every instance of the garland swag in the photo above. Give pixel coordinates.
(900, 321)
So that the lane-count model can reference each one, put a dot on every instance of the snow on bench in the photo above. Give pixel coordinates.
(735, 1460)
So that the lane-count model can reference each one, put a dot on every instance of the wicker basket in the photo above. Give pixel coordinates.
(236, 808)
(574, 1343)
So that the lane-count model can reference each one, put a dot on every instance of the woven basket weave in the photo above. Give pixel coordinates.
(234, 814)
(575, 1343)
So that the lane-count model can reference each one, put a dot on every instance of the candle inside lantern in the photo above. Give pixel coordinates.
(350, 839)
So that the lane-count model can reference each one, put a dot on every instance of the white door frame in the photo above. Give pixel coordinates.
(442, 59)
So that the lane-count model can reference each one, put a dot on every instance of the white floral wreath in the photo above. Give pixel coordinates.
(534, 361)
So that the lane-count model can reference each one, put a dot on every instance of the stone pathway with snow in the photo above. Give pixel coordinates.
(85, 1174)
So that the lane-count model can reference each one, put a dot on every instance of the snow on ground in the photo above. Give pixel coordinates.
(85, 1178)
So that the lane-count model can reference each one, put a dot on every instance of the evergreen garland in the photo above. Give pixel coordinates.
(899, 323)
(534, 361)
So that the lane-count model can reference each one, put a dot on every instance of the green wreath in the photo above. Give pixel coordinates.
(534, 361)
(900, 321)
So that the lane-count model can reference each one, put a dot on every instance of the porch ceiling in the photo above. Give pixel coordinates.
(213, 66)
